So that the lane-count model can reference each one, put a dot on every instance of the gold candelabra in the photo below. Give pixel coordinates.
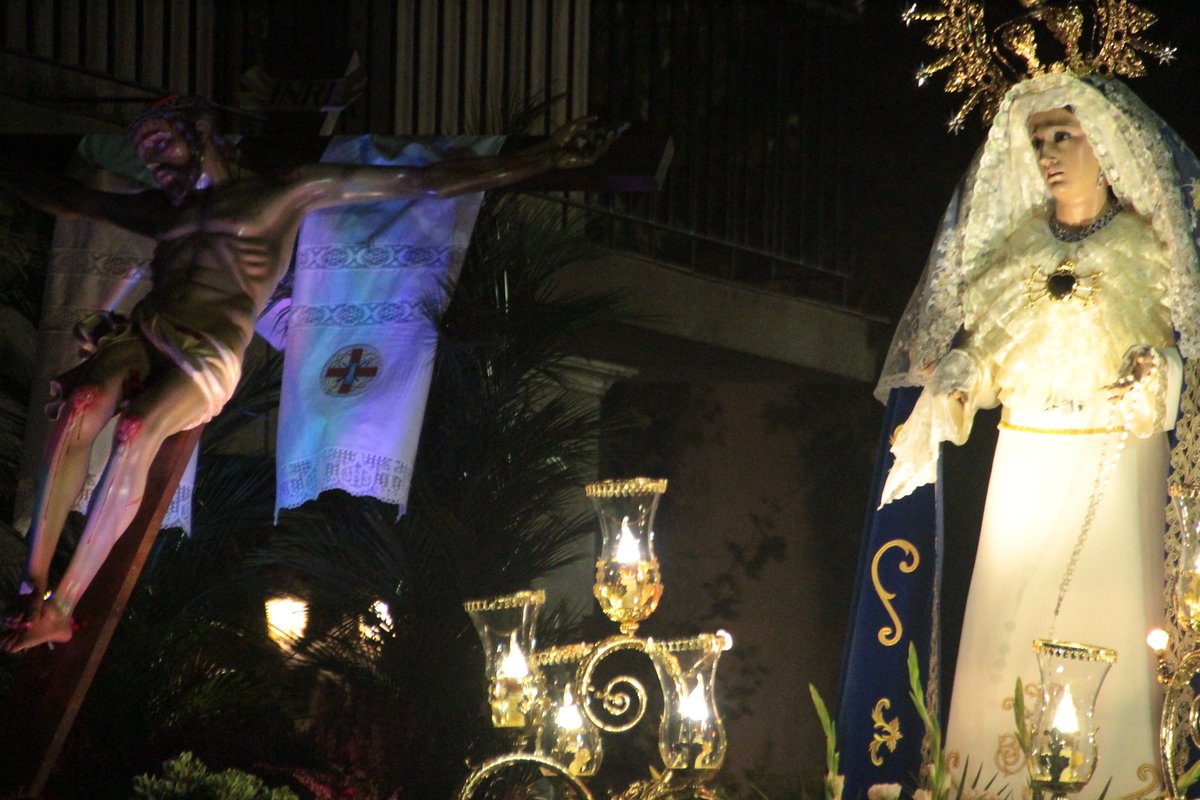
(552, 698)
(1178, 665)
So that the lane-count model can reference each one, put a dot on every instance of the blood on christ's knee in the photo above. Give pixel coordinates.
(128, 428)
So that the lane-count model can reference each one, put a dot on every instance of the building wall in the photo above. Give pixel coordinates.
(758, 534)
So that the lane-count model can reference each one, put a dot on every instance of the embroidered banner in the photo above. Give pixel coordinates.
(360, 340)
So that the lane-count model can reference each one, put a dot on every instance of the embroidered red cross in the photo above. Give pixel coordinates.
(347, 375)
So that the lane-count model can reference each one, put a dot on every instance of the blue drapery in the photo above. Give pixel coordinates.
(895, 604)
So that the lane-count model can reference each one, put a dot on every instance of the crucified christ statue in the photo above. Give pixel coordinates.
(223, 244)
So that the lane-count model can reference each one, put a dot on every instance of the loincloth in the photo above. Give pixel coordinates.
(212, 365)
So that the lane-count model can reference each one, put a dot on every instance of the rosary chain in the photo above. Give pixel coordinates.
(1107, 466)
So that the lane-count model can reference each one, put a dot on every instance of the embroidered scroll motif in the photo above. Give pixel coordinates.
(890, 635)
(887, 732)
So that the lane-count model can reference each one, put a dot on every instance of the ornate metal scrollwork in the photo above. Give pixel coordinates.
(494, 765)
(1179, 714)
(668, 787)
(615, 701)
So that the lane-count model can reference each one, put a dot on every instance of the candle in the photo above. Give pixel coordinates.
(513, 665)
(513, 689)
(1058, 764)
(627, 545)
(574, 744)
(627, 588)
(694, 706)
(568, 717)
(1066, 720)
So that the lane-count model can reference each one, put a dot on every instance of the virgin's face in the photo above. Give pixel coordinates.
(1068, 164)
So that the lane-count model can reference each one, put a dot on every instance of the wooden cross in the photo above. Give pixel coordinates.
(52, 684)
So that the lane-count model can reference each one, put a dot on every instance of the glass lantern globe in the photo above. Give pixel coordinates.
(691, 737)
(1063, 747)
(507, 627)
(628, 581)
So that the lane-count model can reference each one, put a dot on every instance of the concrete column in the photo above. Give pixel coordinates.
(587, 380)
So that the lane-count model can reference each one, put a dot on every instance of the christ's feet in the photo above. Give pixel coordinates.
(40, 623)
(18, 619)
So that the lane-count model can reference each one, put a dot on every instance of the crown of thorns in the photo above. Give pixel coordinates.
(174, 107)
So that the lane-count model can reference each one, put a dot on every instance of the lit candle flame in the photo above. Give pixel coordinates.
(379, 622)
(287, 617)
(1158, 639)
(693, 706)
(627, 545)
(568, 717)
(1065, 718)
(513, 665)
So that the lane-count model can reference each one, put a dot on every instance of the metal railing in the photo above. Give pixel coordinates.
(705, 253)
(754, 94)
(167, 44)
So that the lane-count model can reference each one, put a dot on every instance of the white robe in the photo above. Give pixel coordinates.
(1047, 361)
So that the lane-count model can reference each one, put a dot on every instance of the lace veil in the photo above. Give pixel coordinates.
(1144, 162)
(1150, 170)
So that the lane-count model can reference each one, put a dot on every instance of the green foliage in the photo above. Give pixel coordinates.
(1189, 778)
(1023, 730)
(1019, 714)
(187, 778)
(937, 782)
(937, 777)
(831, 751)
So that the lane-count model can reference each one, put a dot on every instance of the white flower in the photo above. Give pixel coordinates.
(922, 794)
(835, 783)
(884, 791)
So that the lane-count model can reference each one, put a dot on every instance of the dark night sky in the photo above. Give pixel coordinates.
(910, 162)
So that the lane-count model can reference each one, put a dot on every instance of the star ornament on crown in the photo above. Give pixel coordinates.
(1081, 37)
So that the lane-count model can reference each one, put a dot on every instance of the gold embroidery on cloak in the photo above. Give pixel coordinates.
(887, 732)
(890, 635)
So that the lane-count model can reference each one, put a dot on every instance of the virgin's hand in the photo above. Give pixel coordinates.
(1140, 364)
(955, 376)
(1120, 388)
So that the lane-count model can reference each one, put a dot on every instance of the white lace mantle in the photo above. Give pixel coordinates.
(1004, 185)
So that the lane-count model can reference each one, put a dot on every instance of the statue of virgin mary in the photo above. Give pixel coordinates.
(1063, 286)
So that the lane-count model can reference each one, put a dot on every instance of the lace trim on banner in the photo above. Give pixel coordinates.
(82, 261)
(179, 512)
(363, 256)
(351, 471)
(354, 314)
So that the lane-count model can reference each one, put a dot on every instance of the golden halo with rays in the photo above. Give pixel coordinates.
(984, 63)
